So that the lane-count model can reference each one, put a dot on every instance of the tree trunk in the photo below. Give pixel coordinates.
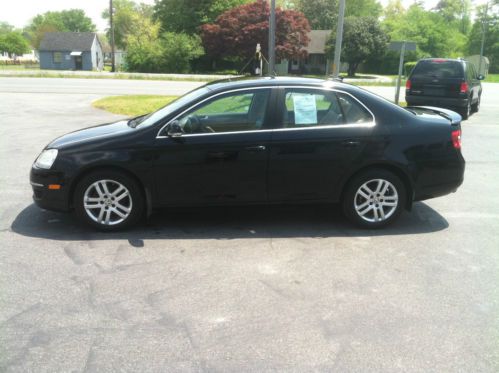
(352, 68)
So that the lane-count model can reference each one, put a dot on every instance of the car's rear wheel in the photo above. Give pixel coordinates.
(374, 198)
(108, 200)
(466, 111)
(476, 106)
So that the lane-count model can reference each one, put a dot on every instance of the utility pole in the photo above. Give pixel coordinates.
(399, 78)
(111, 11)
(484, 20)
(339, 39)
(272, 38)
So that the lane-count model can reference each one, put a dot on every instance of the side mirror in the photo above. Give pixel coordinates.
(174, 129)
(480, 77)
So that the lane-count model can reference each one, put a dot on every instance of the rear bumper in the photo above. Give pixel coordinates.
(55, 200)
(416, 100)
(441, 183)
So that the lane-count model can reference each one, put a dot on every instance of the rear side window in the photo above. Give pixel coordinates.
(312, 108)
(439, 69)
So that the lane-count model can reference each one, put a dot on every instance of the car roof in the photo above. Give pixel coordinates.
(245, 82)
(443, 59)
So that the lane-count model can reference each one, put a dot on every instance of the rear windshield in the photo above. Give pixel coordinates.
(438, 69)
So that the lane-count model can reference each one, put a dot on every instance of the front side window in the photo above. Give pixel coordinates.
(57, 57)
(231, 112)
(311, 108)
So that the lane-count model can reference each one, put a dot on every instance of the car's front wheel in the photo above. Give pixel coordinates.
(374, 198)
(108, 200)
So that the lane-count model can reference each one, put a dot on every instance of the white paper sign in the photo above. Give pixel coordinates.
(305, 108)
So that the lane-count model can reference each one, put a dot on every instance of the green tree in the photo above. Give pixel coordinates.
(179, 50)
(323, 14)
(363, 37)
(456, 12)
(125, 17)
(5, 27)
(425, 28)
(149, 50)
(14, 43)
(188, 15)
(487, 22)
(72, 20)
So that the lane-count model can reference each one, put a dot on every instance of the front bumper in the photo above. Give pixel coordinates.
(50, 199)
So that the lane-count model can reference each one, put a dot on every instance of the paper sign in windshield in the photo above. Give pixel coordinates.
(305, 108)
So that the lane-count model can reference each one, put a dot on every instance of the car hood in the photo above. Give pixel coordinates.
(103, 131)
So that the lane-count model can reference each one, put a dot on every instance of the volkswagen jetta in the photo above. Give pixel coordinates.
(256, 141)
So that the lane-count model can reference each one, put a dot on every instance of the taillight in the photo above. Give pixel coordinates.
(456, 139)
(464, 87)
(408, 84)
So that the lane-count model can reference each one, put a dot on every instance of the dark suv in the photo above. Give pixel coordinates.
(448, 83)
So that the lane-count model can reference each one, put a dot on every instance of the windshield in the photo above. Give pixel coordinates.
(438, 69)
(154, 117)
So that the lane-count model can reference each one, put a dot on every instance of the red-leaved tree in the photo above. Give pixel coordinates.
(236, 32)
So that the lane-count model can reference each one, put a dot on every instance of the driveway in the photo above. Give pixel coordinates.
(242, 289)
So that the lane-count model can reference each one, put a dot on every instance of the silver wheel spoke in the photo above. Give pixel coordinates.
(365, 192)
(364, 211)
(93, 205)
(384, 189)
(108, 217)
(98, 190)
(120, 188)
(381, 212)
(105, 207)
(360, 207)
(379, 196)
(119, 213)
(104, 188)
(101, 214)
(122, 208)
(121, 196)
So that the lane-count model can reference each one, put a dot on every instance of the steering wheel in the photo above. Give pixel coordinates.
(194, 125)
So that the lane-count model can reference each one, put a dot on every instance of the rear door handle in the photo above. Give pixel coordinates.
(257, 148)
(350, 143)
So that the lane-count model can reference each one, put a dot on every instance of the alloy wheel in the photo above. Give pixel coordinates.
(107, 202)
(376, 200)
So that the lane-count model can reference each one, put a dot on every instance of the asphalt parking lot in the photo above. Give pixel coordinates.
(242, 289)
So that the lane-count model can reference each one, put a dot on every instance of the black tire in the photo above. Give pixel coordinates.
(133, 200)
(395, 191)
(476, 106)
(466, 111)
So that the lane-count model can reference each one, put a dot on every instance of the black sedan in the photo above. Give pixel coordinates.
(256, 141)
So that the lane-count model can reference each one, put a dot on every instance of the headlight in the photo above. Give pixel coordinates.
(46, 158)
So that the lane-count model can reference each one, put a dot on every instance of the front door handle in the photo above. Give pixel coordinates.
(350, 143)
(257, 148)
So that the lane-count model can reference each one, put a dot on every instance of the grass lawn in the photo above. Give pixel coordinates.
(19, 67)
(492, 78)
(132, 105)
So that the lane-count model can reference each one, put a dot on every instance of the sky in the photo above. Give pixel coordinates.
(19, 12)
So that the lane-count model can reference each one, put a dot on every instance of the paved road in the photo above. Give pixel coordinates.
(245, 289)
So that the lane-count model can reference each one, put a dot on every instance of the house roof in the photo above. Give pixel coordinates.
(318, 40)
(67, 41)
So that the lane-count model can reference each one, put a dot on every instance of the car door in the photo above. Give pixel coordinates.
(221, 156)
(322, 134)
